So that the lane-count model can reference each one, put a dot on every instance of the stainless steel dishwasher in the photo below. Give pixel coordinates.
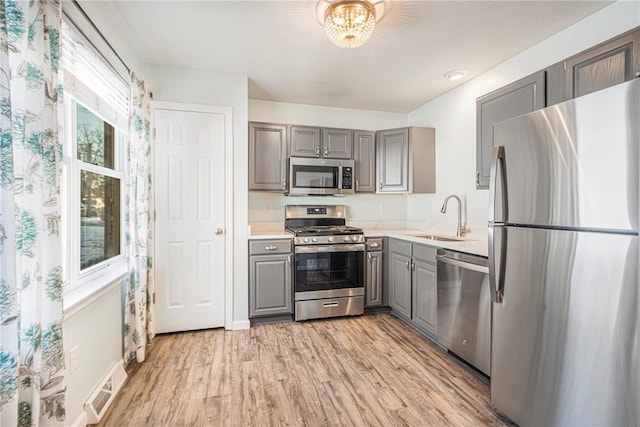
(464, 307)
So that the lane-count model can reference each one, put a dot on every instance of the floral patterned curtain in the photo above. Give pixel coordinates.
(139, 289)
(32, 388)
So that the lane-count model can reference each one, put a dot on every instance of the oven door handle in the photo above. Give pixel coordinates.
(358, 247)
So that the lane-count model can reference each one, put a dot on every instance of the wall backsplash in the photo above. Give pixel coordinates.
(269, 207)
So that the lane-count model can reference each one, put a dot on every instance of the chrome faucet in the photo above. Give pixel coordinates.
(461, 229)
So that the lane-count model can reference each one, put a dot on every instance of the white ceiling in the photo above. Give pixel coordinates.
(281, 46)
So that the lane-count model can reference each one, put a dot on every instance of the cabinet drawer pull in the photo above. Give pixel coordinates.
(270, 247)
(330, 304)
(374, 245)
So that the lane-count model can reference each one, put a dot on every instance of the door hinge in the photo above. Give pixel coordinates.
(154, 133)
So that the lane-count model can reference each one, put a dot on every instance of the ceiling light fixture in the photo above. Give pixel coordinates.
(455, 75)
(349, 23)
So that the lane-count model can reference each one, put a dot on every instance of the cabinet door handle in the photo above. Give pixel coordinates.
(289, 260)
(357, 185)
(477, 177)
(407, 264)
(369, 258)
(284, 183)
(326, 151)
(218, 231)
(381, 185)
(413, 266)
(318, 151)
(270, 247)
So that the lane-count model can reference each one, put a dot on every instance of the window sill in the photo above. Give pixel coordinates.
(89, 291)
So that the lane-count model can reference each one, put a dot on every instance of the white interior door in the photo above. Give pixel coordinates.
(189, 176)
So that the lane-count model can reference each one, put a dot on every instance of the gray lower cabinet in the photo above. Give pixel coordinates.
(607, 64)
(364, 155)
(425, 288)
(270, 278)
(520, 97)
(405, 160)
(413, 283)
(374, 273)
(267, 157)
(400, 277)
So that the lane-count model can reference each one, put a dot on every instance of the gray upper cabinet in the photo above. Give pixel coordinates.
(364, 154)
(306, 141)
(605, 65)
(520, 97)
(337, 143)
(267, 156)
(270, 278)
(405, 160)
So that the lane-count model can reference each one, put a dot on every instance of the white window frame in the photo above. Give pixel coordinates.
(81, 284)
(90, 81)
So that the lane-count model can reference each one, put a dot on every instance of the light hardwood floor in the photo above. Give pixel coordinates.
(371, 370)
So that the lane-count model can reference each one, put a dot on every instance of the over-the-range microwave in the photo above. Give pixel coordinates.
(320, 176)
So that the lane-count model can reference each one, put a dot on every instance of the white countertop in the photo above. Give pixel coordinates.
(475, 243)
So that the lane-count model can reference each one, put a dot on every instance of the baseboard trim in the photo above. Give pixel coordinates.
(81, 421)
(238, 325)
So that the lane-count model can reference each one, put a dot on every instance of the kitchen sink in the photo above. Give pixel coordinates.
(441, 238)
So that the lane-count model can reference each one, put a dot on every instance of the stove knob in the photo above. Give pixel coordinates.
(315, 239)
(346, 238)
(305, 240)
(330, 239)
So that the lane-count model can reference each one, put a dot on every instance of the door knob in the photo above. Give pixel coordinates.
(218, 230)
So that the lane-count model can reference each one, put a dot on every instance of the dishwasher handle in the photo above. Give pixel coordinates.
(462, 264)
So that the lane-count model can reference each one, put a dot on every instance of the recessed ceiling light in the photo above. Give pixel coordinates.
(455, 75)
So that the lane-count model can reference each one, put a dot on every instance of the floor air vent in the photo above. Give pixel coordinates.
(100, 400)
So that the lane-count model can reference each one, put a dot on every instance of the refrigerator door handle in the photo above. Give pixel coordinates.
(496, 285)
(497, 161)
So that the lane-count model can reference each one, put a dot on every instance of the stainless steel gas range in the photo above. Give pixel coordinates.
(329, 262)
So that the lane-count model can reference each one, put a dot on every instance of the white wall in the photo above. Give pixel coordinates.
(454, 114)
(96, 333)
(199, 87)
(362, 207)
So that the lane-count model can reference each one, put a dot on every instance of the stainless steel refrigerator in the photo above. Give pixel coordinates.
(563, 262)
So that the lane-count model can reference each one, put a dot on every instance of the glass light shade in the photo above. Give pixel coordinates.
(349, 23)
